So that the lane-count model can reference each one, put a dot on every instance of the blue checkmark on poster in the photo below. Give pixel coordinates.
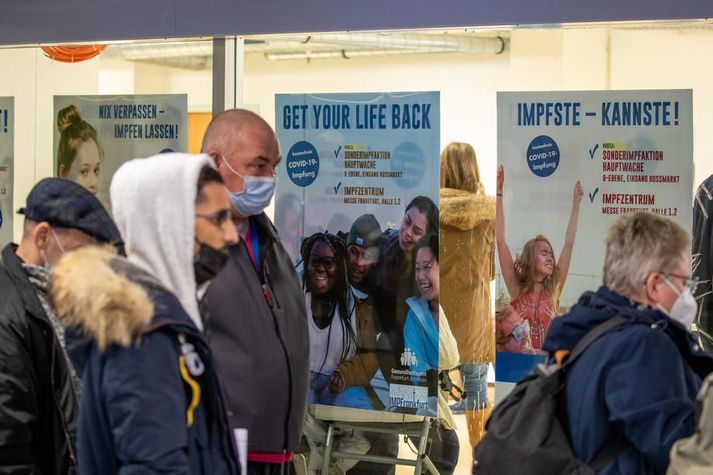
(593, 150)
(593, 194)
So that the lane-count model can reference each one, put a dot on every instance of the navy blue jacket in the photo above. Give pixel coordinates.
(135, 402)
(639, 380)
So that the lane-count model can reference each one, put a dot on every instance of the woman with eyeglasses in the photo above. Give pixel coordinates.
(214, 229)
(341, 328)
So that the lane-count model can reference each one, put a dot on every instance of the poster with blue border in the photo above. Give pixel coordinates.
(7, 154)
(572, 162)
(94, 135)
(358, 187)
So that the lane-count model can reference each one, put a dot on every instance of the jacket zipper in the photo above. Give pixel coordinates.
(72, 456)
(267, 288)
(268, 294)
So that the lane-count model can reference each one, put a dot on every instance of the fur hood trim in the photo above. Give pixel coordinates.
(465, 210)
(91, 296)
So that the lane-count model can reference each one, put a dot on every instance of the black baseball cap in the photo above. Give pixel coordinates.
(66, 204)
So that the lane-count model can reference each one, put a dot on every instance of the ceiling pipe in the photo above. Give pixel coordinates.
(404, 41)
(342, 53)
(196, 54)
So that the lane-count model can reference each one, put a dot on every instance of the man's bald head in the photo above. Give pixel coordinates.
(241, 144)
(229, 125)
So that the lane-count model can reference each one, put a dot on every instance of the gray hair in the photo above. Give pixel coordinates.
(639, 244)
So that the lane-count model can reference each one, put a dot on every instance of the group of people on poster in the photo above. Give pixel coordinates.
(372, 301)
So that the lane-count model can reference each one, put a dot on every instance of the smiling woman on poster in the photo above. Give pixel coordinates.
(534, 279)
(79, 154)
(341, 330)
(394, 271)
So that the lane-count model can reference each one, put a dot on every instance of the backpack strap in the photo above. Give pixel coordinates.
(609, 452)
(591, 336)
(614, 447)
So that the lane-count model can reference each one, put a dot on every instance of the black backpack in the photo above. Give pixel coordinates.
(524, 435)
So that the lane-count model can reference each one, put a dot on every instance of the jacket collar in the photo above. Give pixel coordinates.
(264, 225)
(594, 308)
(17, 274)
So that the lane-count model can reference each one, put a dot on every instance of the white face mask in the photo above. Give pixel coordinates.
(256, 195)
(46, 264)
(684, 308)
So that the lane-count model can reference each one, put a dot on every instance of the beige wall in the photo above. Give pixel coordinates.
(538, 59)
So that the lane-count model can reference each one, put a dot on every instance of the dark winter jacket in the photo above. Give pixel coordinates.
(150, 402)
(703, 252)
(257, 328)
(639, 381)
(38, 405)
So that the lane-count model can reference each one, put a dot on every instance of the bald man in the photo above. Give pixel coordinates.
(256, 318)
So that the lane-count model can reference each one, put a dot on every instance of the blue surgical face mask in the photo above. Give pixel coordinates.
(256, 195)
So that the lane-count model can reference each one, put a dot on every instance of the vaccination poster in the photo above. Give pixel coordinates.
(7, 153)
(357, 210)
(570, 163)
(94, 135)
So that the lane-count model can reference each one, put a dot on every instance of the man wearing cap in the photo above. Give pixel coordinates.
(364, 242)
(38, 400)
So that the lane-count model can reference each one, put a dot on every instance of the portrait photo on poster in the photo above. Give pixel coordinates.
(94, 135)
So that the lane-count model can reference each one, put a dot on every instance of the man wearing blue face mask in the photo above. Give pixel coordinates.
(258, 323)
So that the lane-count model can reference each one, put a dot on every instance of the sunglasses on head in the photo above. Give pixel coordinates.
(218, 218)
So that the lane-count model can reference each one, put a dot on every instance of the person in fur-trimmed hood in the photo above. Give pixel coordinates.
(467, 254)
(151, 401)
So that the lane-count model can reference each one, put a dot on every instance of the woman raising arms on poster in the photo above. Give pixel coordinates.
(79, 154)
(534, 279)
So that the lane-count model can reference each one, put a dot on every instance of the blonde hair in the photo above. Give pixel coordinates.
(525, 269)
(459, 168)
(639, 244)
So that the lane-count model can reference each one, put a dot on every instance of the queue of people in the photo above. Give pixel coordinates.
(123, 356)
(120, 351)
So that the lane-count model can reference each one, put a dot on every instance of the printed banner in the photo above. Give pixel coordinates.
(7, 153)
(571, 163)
(94, 135)
(357, 190)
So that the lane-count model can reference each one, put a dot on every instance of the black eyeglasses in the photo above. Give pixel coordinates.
(218, 218)
(325, 261)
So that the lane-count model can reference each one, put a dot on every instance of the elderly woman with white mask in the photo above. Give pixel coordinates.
(637, 383)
